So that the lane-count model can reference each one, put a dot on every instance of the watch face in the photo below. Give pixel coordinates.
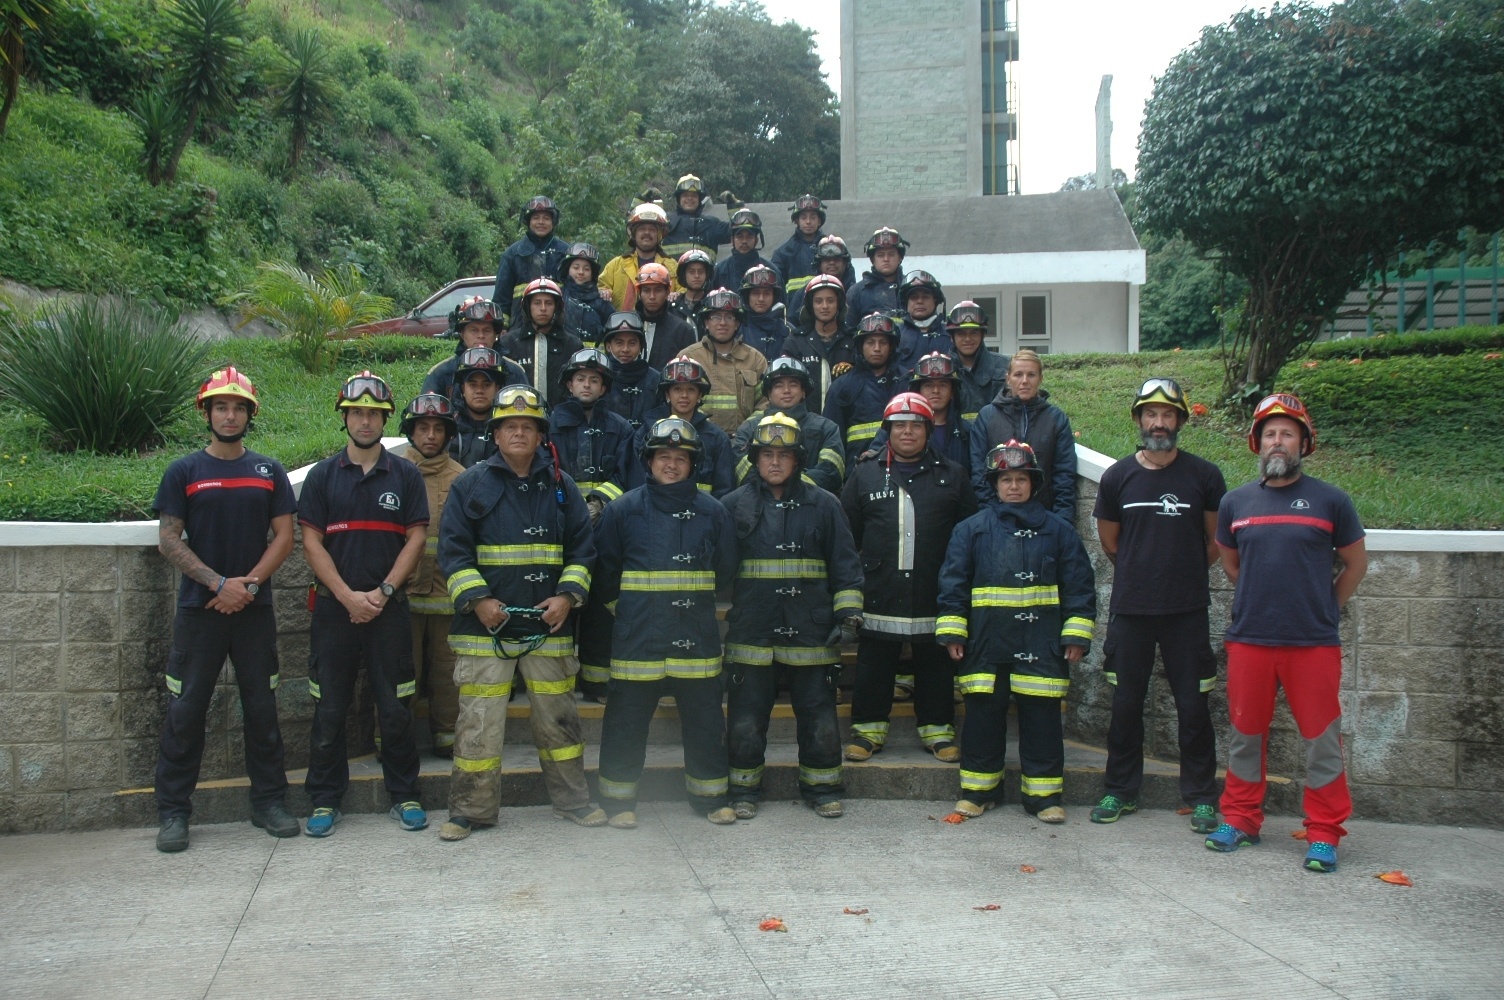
(252, 589)
(387, 589)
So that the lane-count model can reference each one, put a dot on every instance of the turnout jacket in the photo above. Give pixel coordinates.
(1015, 589)
(517, 539)
(823, 464)
(856, 402)
(1045, 428)
(596, 451)
(668, 336)
(915, 341)
(584, 310)
(982, 382)
(797, 575)
(767, 332)
(715, 473)
(440, 377)
(730, 269)
(663, 551)
(634, 390)
(795, 259)
(735, 381)
(523, 261)
(823, 359)
(901, 522)
(427, 593)
(688, 230)
(473, 442)
(873, 293)
(541, 356)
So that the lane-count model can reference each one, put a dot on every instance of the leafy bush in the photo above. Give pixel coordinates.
(311, 309)
(1457, 340)
(104, 377)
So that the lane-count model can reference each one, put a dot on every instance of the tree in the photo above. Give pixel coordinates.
(310, 309)
(159, 120)
(748, 105)
(1088, 182)
(1307, 146)
(16, 18)
(205, 36)
(538, 43)
(306, 91)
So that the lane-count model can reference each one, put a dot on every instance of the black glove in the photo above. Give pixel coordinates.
(845, 632)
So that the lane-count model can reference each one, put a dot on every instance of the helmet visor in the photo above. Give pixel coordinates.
(681, 371)
(932, 367)
(1166, 387)
(478, 312)
(430, 404)
(366, 385)
(775, 434)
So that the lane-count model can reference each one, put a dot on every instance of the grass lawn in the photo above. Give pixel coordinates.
(1415, 439)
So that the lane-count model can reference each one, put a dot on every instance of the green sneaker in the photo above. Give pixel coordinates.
(1204, 818)
(1110, 808)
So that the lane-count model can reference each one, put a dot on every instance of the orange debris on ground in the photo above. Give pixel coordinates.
(989, 906)
(855, 912)
(1395, 878)
(1298, 834)
(1027, 869)
(953, 818)
(772, 924)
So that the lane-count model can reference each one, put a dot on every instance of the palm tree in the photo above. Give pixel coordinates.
(16, 16)
(310, 310)
(158, 118)
(307, 90)
(204, 35)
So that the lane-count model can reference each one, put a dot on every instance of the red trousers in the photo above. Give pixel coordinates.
(1311, 677)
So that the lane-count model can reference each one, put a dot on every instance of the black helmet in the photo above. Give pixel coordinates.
(694, 255)
(886, 238)
(684, 371)
(580, 251)
(786, 367)
(746, 219)
(967, 313)
(542, 203)
(804, 203)
(762, 276)
(832, 248)
(480, 359)
(429, 404)
(935, 365)
(1012, 454)
(671, 432)
(917, 281)
(875, 324)
(722, 300)
(587, 360)
(622, 322)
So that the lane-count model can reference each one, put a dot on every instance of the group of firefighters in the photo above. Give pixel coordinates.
(567, 516)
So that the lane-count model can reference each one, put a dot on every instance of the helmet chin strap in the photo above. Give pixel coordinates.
(230, 438)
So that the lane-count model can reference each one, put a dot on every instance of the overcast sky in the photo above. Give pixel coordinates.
(1064, 50)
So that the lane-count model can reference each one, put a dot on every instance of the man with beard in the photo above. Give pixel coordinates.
(228, 499)
(1277, 537)
(646, 228)
(1157, 519)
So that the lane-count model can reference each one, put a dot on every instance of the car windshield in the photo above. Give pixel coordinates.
(445, 303)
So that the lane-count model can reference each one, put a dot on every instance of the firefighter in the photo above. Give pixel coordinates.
(1017, 604)
(1023, 412)
(477, 380)
(786, 385)
(537, 255)
(821, 342)
(902, 509)
(664, 549)
(542, 344)
(682, 389)
(646, 228)
(594, 444)
(832, 258)
(690, 228)
(666, 334)
(922, 330)
(764, 321)
(693, 275)
(585, 308)
(474, 322)
(795, 258)
(857, 398)
(878, 289)
(516, 548)
(982, 371)
(428, 423)
(935, 379)
(746, 241)
(734, 367)
(634, 382)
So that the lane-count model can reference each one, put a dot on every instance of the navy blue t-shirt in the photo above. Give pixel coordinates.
(1285, 537)
(364, 516)
(227, 506)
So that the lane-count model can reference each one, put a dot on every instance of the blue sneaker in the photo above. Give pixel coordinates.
(410, 816)
(1228, 838)
(1321, 857)
(321, 823)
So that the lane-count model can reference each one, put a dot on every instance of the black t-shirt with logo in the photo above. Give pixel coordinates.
(227, 506)
(363, 516)
(1161, 562)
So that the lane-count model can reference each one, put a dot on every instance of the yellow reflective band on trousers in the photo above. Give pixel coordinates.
(276, 681)
(819, 775)
(977, 683)
(834, 458)
(1041, 786)
(427, 604)
(863, 432)
(807, 656)
(1207, 684)
(706, 787)
(531, 554)
(951, 627)
(465, 579)
(875, 733)
(480, 764)
(313, 688)
(1076, 628)
(847, 600)
(753, 656)
(176, 686)
(552, 687)
(930, 735)
(655, 580)
(575, 574)
(741, 778)
(782, 569)
(1013, 597)
(620, 790)
(655, 670)
(562, 753)
(1044, 687)
(481, 645)
(594, 673)
(980, 781)
(486, 690)
(407, 689)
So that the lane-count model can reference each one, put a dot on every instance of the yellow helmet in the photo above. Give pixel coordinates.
(776, 430)
(518, 401)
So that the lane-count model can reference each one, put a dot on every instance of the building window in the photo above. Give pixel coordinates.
(1034, 327)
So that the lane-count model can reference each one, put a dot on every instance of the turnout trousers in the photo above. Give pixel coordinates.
(624, 740)
(201, 640)
(1041, 748)
(1310, 677)
(434, 663)
(594, 631)
(934, 685)
(749, 706)
(338, 648)
(1191, 670)
(485, 685)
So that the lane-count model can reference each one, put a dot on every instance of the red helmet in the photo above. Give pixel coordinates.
(227, 382)
(1283, 404)
(1010, 455)
(908, 406)
(542, 286)
(653, 273)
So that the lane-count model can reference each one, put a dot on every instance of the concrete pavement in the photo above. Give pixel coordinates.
(540, 908)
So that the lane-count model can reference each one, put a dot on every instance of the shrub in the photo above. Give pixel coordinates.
(1456, 340)
(104, 377)
(310, 309)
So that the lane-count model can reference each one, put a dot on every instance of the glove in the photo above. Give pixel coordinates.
(597, 506)
(845, 632)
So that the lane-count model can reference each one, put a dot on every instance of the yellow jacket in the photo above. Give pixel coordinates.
(735, 382)
(428, 593)
(620, 273)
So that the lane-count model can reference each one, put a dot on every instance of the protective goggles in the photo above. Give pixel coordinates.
(365, 385)
(968, 317)
(764, 277)
(1003, 459)
(518, 397)
(477, 312)
(887, 239)
(934, 367)
(1165, 387)
(430, 404)
(775, 435)
(682, 371)
(480, 357)
(876, 324)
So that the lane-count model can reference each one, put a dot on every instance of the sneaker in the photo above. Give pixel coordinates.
(861, 748)
(1110, 808)
(724, 816)
(321, 823)
(971, 810)
(583, 816)
(173, 836)
(457, 828)
(945, 751)
(1321, 857)
(623, 821)
(1051, 814)
(1204, 818)
(830, 810)
(410, 816)
(275, 820)
(744, 809)
(1228, 838)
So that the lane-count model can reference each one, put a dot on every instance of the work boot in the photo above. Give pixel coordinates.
(275, 820)
(457, 828)
(861, 748)
(1051, 814)
(623, 821)
(173, 836)
(945, 751)
(830, 810)
(971, 809)
(724, 816)
(586, 815)
(744, 809)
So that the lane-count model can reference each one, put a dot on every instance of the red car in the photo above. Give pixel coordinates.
(431, 317)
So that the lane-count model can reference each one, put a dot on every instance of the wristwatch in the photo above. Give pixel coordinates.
(252, 589)
(387, 590)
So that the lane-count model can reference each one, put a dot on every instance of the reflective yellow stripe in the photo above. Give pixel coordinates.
(176, 686)
(1041, 786)
(743, 466)
(486, 690)
(746, 778)
(930, 735)
(314, 689)
(805, 656)
(875, 733)
(1112, 678)
(594, 673)
(782, 569)
(755, 656)
(848, 600)
(608, 490)
(668, 579)
(794, 284)
(951, 627)
(431, 545)
(705, 787)
(1013, 597)
(980, 781)
(977, 683)
(1206, 684)
(563, 753)
(482, 764)
(819, 775)
(532, 554)
(576, 574)
(719, 401)
(652, 670)
(464, 580)
(834, 458)
(970, 417)
(430, 605)
(863, 432)
(276, 681)
(616, 789)
(481, 645)
(1078, 628)
(551, 687)
(703, 487)
(1044, 687)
